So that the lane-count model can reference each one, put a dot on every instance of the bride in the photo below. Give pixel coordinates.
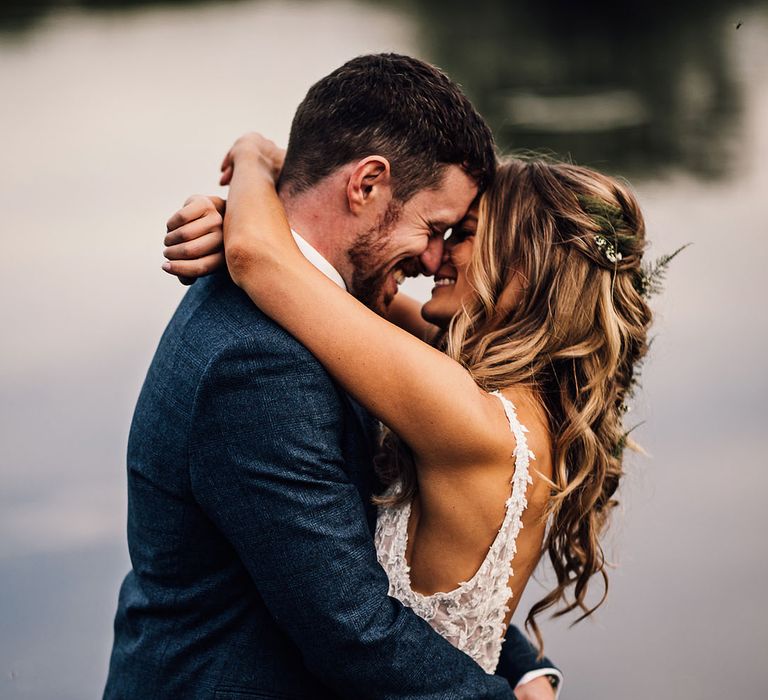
(503, 396)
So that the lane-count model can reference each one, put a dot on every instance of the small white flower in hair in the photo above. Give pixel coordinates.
(607, 248)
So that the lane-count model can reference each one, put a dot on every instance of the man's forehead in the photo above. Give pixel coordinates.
(449, 203)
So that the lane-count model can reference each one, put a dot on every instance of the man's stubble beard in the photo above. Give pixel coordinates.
(369, 264)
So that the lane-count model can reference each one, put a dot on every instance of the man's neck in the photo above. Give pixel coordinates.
(315, 218)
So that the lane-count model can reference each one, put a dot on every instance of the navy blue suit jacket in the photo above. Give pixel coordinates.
(250, 531)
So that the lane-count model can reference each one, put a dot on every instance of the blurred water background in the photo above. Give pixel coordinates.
(114, 112)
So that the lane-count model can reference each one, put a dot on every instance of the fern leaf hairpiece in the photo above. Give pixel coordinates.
(652, 275)
(648, 282)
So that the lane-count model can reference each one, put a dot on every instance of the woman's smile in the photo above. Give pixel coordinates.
(443, 280)
(451, 283)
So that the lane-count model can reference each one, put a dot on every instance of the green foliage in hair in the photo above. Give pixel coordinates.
(652, 275)
(607, 216)
(648, 282)
(609, 220)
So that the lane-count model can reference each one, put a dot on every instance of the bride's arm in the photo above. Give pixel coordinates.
(405, 312)
(427, 398)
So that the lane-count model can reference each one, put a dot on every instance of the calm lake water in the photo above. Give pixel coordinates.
(112, 115)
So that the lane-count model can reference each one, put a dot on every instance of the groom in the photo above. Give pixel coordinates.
(249, 471)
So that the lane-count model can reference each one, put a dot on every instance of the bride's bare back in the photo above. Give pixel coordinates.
(454, 563)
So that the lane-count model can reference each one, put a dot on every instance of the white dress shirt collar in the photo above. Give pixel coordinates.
(311, 253)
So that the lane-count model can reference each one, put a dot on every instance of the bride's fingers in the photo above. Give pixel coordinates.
(226, 176)
(218, 203)
(194, 268)
(190, 230)
(194, 208)
(227, 162)
(205, 245)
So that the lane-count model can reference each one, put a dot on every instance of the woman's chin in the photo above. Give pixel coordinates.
(437, 314)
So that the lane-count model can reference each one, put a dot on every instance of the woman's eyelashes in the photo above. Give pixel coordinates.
(458, 234)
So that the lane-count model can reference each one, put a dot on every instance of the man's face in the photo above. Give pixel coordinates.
(408, 239)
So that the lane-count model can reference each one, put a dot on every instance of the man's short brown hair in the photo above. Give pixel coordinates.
(394, 106)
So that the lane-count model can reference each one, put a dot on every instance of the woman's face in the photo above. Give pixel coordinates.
(452, 286)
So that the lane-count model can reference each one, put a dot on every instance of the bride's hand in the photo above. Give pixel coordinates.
(195, 239)
(257, 149)
(195, 236)
(538, 689)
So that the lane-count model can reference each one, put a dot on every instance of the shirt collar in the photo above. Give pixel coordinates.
(312, 254)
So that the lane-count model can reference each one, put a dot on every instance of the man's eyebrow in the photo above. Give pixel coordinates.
(439, 225)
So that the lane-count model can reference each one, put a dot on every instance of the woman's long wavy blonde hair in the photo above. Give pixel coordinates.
(572, 241)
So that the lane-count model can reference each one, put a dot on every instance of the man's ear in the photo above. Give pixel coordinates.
(369, 183)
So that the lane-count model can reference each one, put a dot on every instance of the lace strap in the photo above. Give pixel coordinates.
(517, 501)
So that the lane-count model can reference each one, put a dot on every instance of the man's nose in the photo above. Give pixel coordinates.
(432, 257)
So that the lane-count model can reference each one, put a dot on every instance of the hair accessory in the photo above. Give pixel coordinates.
(648, 282)
(609, 219)
(651, 276)
(608, 248)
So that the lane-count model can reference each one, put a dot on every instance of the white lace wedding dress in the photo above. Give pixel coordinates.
(471, 616)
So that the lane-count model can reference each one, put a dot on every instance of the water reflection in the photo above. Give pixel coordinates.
(635, 88)
(19, 17)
